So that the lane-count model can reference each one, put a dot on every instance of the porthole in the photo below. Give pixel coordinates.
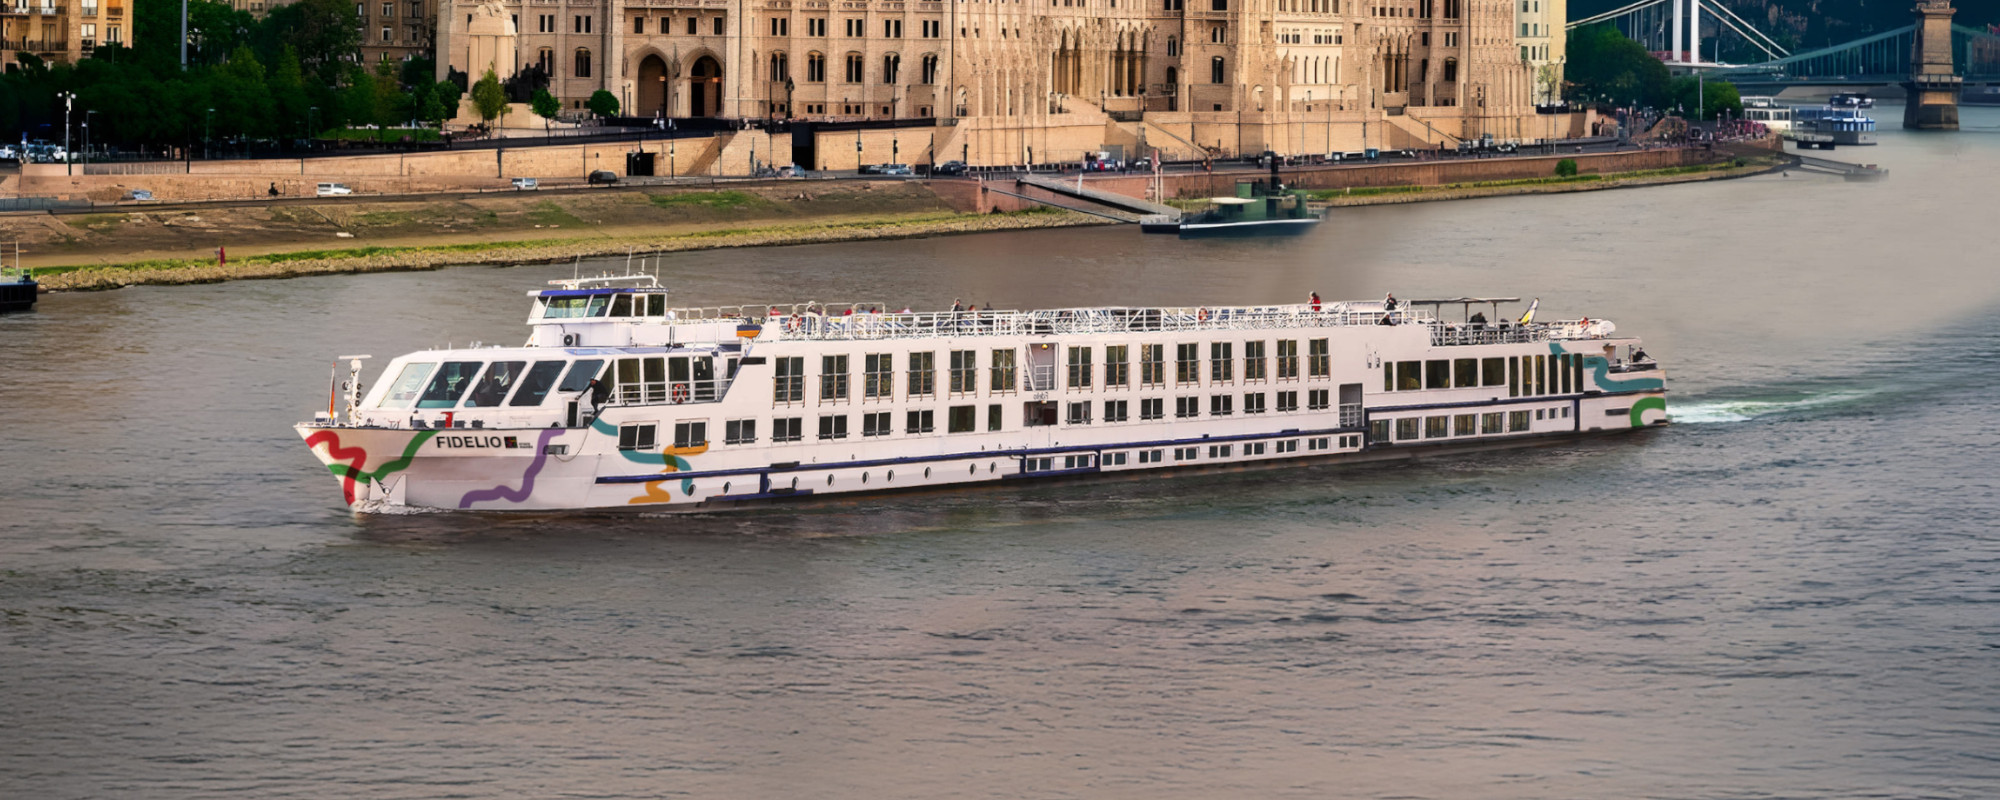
(725, 487)
(864, 477)
(992, 467)
(795, 483)
(927, 473)
(829, 480)
(972, 469)
(892, 476)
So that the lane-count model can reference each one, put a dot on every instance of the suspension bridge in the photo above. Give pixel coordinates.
(1688, 38)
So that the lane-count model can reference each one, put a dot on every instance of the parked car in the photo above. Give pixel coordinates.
(872, 169)
(952, 167)
(525, 184)
(1507, 147)
(1354, 155)
(897, 169)
(602, 177)
(8, 153)
(332, 190)
(791, 171)
(140, 195)
(1144, 164)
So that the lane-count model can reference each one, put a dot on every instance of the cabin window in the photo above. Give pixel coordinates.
(1317, 399)
(1078, 414)
(1079, 367)
(832, 378)
(923, 374)
(621, 305)
(1117, 365)
(1220, 450)
(994, 420)
(1576, 366)
(787, 430)
(1187, 364)
(963, 419)
(1513, 376)
(919, 422)
(875, 424)
(690, 434)
(1115, 411)
(1288, 402)
(636, 437)
(576, 306)
(1517, 421)
(1221, 405)
(1408, 376)
(1002, 373)
(1465, 372)
(833, 426)
(704, 378)
(964, 371)
(1253, 361)
(1464, 424)
(492, 388)
(1409, 428)
(1152, 408)
(580, 375)
(1437, 374)
(1564, 361)
(536, 384)
(1494, 371)
(739, 431)
(450, 383)
(1318, 363)
(1185, 407)
(1288, 359)
(408, 384)
(1253, 403)
(878, 377)
(1378, 430)
(656, 305)
(1187, 453)
(1221, 362)
(791, 379)
(1152, 365)
(1541, 374)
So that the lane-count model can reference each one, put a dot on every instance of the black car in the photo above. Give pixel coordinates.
(952, 167)
(603, 177)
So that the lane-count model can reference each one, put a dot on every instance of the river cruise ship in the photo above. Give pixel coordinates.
(619, 400)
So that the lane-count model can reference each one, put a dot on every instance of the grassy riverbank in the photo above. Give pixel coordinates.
(395, 258)
(1384, 195)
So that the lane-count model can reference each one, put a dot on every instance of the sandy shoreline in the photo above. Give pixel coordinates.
(283, 262)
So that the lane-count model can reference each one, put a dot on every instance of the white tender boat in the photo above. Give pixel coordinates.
(618, 401)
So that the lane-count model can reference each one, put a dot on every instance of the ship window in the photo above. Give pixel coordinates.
(1517, 421)
(1288, 401)
(404, 391)
(621, 305)
(1187, 363)
(1436, 427)
(1253, 361)
(1317, 399)
(598, 302)
(1152, 366)
(1464, 424)
(1253, 403)
(1378, 430)
(923, 374)
(789, 429)
(875, 424)
(636, 437)
(1408, 428)
(449, 384)
(833, 426)
(739, 431)
(1221, 405)
(1494, 371)
(1489, 423)
(1565, 360)
(492, 387)
(1437, 374)
(1288, 359)
(1513, 376)
(919, 421)
(1116, 410)
(1002, 372)
(1318, 363)
(1116, 365)
(535, 387)
(580, 375)
(878, 375)
(1221, 364)
(567, 307)
(963, 419)
(1465, 372)
(1152, 408)
(1408, 375)
(994, 419)
(690, 434)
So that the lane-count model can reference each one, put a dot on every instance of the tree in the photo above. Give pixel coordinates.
(546, 106)
(1566, 168)
(288, 93)
(326, 33)
(602, 103)
(488, 98)
(1607, 67)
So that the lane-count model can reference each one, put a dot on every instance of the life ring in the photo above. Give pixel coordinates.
(1201, 315)
(792, 323)
(680, 393)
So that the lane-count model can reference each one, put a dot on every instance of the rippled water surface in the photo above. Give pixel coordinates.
(1795, 592)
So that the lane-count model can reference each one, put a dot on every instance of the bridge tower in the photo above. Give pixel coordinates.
(1934, 82)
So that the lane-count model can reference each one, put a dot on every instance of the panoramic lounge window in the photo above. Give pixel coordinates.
(450, 384)
(536, 385)
(492, 387)
(404, 391)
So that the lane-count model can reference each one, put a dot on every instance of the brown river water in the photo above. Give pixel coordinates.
(1792, 592)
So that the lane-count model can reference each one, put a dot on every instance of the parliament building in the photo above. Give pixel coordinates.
(1040, 81)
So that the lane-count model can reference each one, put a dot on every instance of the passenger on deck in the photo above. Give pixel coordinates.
(1639, 356)
(957, 305)
(1314, 301)
(1478, 318)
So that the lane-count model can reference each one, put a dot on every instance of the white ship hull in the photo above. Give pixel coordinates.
(1325, 388)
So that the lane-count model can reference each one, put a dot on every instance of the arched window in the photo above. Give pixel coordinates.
(815, 68)
(781, 68)
(854, 68)
(582, 62)
(1173, 78)
(930, 68)
(1215, 70)
(1173, 46)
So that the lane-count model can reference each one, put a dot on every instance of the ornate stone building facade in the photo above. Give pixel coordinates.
(61, 30)
(1295, 76)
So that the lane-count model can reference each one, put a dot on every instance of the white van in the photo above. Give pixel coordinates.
(526, 184)
(332, 190)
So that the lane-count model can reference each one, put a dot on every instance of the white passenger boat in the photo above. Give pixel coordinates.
(1767, 111)
(619, 401)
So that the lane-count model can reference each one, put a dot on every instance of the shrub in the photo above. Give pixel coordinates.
(1566, 168)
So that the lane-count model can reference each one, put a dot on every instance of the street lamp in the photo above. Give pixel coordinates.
(207, 133)
(86, 135)
(68, 162)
